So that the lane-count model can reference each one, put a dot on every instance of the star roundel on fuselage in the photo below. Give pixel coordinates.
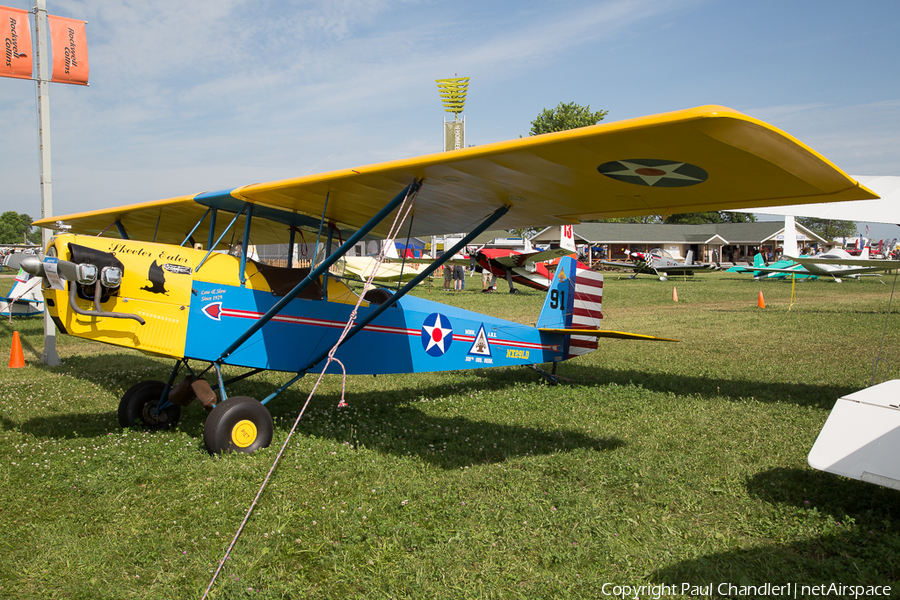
(654, 172)
(437, 334)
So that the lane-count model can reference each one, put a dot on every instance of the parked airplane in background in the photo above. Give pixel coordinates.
(791, 269)
(24, 299)
(532, 269)
(862, 261)
(175, 297)
(835, 263)
(658, 262)
(392, 270)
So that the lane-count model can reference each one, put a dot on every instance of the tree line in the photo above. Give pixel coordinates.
(17, 228)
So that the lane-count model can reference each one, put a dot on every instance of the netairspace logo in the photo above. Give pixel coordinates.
(765, 590)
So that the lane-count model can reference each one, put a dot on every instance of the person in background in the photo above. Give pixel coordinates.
(486, 284)
(448, 276)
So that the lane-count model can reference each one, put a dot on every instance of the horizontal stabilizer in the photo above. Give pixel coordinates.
(599, 333)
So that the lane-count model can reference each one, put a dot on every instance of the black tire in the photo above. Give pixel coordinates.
(137, 404)
(240, 424)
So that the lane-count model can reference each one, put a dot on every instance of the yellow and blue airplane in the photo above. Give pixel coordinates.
(152, 276)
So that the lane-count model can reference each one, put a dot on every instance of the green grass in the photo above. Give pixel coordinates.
(652, 463)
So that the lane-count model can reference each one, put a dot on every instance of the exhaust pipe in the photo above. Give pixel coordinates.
(84, 274)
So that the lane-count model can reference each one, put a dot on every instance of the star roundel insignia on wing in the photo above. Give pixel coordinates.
(437, 334)
(654, 172)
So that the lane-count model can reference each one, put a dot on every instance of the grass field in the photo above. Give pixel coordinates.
(653, 463)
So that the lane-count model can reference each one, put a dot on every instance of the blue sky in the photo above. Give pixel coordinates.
(211, 94)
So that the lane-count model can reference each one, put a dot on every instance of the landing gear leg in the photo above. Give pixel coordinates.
(512, 288)
(551, 377)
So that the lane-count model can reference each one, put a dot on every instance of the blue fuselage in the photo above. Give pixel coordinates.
(415, 335)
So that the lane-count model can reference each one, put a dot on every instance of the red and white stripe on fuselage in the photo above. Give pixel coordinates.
(586, 309)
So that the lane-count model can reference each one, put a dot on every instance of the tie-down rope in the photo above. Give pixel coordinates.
(12, 299)
(887, 317)
(395, 227)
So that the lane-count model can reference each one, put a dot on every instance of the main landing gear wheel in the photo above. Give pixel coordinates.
(138, 407)
(240, 424)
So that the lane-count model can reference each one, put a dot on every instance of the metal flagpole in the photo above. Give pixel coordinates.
(49, 356)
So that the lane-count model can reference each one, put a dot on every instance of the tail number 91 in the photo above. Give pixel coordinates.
(558, 299)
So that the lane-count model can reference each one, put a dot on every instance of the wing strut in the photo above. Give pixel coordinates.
(328, 239)
(227, 229)
(490, 220)
(245, 248)
(412, 218)
(191, 234)
(290, 259)
(323, 266)
(211, 237)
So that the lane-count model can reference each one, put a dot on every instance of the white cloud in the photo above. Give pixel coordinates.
(862, 138)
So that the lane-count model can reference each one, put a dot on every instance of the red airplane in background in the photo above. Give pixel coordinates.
(531, 269)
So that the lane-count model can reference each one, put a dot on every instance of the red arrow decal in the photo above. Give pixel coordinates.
(213, 311)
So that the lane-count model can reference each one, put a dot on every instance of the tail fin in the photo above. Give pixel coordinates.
(574, 301)
(689, 259)
(758, 261)
(390, 249)
(790, 237)
(566, 237)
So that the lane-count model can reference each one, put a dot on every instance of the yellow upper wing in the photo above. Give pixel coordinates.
(701, 159)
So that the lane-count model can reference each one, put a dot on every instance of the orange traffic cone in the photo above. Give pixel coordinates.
(761, 302)
(16, 357)
(674, 295)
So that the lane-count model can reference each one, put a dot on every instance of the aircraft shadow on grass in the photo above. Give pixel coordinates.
(850, 558)
(802, 394)
(384, 421)
(389, 422)
(829, 494)
(861, 550)
(445, 442)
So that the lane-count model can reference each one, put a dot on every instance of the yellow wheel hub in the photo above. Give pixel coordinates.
(243, 434)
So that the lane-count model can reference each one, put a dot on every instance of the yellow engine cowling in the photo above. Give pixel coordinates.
(156, 286)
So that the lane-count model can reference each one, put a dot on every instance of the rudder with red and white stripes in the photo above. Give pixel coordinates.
(586, 309)
(574, 301)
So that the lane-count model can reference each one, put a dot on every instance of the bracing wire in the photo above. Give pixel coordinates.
(404, 210)
(887, 317)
